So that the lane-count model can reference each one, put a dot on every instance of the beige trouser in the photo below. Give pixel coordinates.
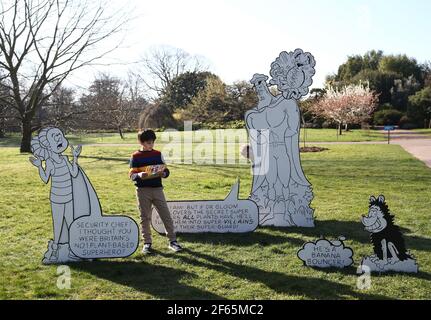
(147, 197)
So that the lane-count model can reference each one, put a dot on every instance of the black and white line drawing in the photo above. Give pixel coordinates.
(390, 253)
(324, 253)
(231, 215)
(75, 205)
(280, 188)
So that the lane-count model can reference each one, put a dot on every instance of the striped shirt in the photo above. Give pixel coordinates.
(141, 159)
(61, 183)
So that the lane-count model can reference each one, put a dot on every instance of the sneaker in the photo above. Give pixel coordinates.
(147, 248)
(175, 246)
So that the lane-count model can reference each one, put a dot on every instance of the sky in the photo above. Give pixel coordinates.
(238, 38)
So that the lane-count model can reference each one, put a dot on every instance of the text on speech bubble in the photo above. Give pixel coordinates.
(216, 216)
(103, 237)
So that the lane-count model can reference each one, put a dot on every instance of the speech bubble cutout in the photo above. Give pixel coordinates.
(231, 215)
(324, 253)
(94, 237)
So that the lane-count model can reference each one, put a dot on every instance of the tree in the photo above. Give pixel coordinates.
(219, 103)
(209, 104)
(42, 43)
(59, 110)
(163, 64)
(183, 88)
(392, 77)
(355, 64)
(4, 108)
(157, 115)
(5, 114)
(419, 108)
(307, 115)
(203, 97)
(352, 104)
(402, 90)
(402, 65)
(241, 97)
(109, 105)
(426, 71)
(136, 92)
(378, 81)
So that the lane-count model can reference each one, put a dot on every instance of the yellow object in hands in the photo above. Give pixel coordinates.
(153, 171)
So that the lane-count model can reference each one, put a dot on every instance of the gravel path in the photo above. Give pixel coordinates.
(418, 145)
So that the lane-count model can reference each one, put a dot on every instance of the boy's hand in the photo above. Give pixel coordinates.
(162, 172)
(142, 175)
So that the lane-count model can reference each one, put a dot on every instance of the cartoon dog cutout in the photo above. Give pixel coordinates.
(390, 253)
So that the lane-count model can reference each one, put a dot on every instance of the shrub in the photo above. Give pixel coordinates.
(328, 125)
(386, 106)
(407, 123)
(387, 117)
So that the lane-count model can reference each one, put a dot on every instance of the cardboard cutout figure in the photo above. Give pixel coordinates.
(324, 253)
(280, 188)
(231, 215)
(390, 253)
(72, 197)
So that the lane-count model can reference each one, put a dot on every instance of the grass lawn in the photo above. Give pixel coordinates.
(423, 131)
(262, 264)
(311, 135)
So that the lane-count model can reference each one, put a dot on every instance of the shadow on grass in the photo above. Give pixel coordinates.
(166, 283)
(160, 281)
(331, 229)
(239, 240)
(311, 288)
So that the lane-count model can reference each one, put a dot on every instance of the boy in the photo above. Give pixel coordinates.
(150, 190)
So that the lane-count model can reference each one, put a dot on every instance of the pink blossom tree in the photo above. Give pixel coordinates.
(353, 104)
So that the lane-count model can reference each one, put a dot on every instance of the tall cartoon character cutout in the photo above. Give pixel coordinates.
(73, 202)
(280, 188)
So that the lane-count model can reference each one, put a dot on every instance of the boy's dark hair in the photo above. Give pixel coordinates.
(146, 135)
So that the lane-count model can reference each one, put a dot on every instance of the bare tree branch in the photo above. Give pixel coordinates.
(163, 64)
(43, 42)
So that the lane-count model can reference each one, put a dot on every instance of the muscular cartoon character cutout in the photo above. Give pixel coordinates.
(280, 188)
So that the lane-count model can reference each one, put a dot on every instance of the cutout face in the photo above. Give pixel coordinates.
(374, 222)
(261, 89)
(57, 141)
(259, 82)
